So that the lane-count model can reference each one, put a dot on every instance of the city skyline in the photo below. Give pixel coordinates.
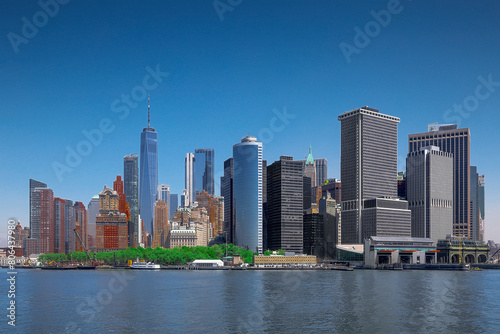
(229, 107)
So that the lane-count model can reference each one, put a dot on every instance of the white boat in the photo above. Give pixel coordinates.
(145, 265)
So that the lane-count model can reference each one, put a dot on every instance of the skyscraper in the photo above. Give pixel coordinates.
(81, 222)
(163, 194)
(42, 219)
(429, 181)
(321, 170)
(450, 139)
(310, 168)
(369, 171)
(190, 179)
(148, 174)
(59, 225)
(111, 225)
(161, 225)
(34, 184)
(226, 191)
(480, 191)
(247, 193)
(477, 204)
(204, 170)
(69, 226)
(174, 204)
(131, 189)
(285, 205)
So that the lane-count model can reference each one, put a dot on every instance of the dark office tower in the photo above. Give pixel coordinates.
(148, 175)
(226, 191)
(69, 226)
(34, 184)
(429, 180)
(402, 185)
(321, 170)
(174, 204)
(131, 189)
(59, 225)
(476, 204)
(42, 219)
(285, 205)
(450, 139)
(247, 194)
(368, 168)
(204, 170)
(307, 195)
(313, 234)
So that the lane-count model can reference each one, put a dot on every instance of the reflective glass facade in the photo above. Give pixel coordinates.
(148, 179)
(204, 170)
(247, 193)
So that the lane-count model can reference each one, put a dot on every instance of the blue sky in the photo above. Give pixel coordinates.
(229, 77)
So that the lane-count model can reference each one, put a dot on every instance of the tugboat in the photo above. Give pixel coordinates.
(145, 265)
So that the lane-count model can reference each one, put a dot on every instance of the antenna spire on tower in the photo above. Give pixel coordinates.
(148, 111)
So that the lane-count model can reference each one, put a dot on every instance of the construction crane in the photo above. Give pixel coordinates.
(83, 245)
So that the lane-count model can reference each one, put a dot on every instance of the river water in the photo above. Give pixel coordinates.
(362, 301)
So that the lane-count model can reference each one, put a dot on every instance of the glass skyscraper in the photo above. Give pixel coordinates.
(190, 180)
(247, 193)
(204, 170)
(148, 179)
(131, 189)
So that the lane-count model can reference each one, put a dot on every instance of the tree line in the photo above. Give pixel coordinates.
(163, 256)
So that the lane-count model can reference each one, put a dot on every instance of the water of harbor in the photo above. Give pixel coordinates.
(171, 301)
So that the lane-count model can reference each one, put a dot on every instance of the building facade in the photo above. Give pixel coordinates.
(285, 205)
(32, 185)
(368, 166)
(111, 225)
(429, 191)
(59, 225)
(204, 170)
(42, 219)
(131, 189)
(226, 191)
(190, 179)
(148, 175)
(174, 204)
(247, 193)
(162, 228)
(450, 139)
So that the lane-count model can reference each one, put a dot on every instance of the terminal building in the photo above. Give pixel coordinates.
(387, 251)
(454, 250)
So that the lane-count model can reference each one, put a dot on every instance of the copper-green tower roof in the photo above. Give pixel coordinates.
(310, 159)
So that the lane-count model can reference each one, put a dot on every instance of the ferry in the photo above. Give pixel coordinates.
(145, 265)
